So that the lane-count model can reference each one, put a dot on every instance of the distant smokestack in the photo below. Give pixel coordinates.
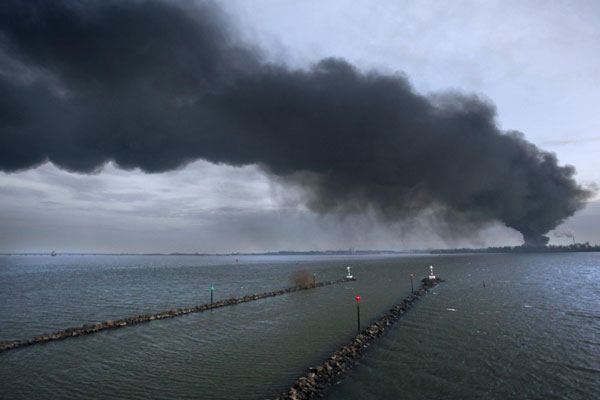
(569, 234)
(157, 84)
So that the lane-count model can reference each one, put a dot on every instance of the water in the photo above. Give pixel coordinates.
(533, 332)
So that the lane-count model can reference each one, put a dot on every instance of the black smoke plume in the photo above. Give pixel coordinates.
(567, 234)
(158, 84)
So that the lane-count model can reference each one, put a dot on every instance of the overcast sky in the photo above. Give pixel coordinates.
(537, 61)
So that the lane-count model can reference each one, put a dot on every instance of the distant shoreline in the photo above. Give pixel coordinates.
(576, 248)
(271, 253)
(573, 248)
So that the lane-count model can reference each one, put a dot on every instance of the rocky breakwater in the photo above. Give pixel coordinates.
(88, 329)
(317, 380)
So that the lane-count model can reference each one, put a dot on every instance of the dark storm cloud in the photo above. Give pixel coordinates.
(157, 84)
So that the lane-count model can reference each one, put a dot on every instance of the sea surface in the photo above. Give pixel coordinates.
(532, 332)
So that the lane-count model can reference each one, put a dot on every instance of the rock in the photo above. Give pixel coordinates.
(318, 369)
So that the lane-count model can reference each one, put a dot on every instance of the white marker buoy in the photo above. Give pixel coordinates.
(431, 275)
(348, 275)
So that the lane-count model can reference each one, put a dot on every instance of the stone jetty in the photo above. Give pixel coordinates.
(138, 319)
(317, 380)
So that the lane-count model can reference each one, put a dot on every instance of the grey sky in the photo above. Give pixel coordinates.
(536, 61)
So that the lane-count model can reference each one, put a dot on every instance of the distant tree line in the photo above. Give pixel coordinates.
(574, 248)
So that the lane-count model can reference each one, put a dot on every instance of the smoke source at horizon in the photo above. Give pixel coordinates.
(156, 85)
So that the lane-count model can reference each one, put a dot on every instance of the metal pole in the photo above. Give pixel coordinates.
(314, 279)
(412, 289)
(358, 313)
(211, 295)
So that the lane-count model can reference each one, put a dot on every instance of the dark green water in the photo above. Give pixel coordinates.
(533, 332)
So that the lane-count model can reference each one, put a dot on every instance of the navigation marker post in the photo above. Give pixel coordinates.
(314, 279)
(358, 312)
(412, 289)
(348, 275)
(212, 288)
